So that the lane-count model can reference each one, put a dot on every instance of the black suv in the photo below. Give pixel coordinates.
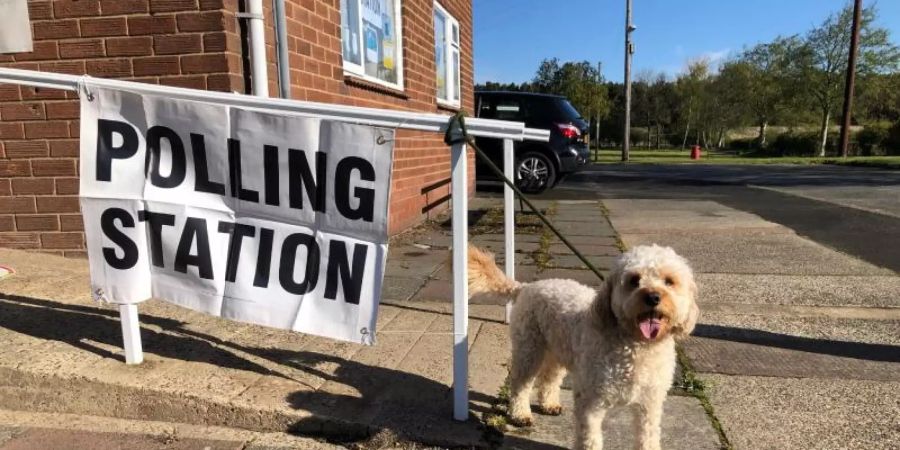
(538, 165)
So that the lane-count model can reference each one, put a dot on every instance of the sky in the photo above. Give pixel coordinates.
(512, 37)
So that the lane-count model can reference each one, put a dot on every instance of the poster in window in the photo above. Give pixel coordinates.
(440, 54)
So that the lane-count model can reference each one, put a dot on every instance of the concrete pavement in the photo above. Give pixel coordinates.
(797, 343)
(62, 355)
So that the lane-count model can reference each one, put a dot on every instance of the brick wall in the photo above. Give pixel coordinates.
(197, 44)
(420, 183)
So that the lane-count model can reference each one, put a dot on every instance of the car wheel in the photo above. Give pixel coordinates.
(534, 173)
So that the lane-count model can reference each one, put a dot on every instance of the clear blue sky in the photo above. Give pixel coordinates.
(513, 36)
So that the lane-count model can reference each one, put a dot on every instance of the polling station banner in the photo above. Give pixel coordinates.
(262, 217)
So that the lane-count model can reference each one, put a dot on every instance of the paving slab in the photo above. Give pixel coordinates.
(796, 358)
(684, 427)
(665, 215)
(38, 439)
(7, 433)
(400, 288)
(760, 253)
(499, 247)
(578, 241)
(878, 332)
(806, 413)
(585, 249)
(160, 435)
(586, 228)
(499, 237)
(573, 262)
(775, 289)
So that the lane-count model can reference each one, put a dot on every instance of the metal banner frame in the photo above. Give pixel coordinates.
(508, 131)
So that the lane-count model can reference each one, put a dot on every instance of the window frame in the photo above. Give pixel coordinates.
(449, 23)
(359, 70)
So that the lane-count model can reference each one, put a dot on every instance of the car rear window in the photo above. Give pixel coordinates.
(566, 110)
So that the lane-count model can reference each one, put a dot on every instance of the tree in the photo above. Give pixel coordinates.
(580, 82)
(726, 101)
(822, 60)
(763, 73)
(690, 89)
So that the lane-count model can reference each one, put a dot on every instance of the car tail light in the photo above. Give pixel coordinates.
(568, 130)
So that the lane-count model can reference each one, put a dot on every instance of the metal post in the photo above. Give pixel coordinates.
(629, 49)
(460, 196)
(131, 334)
(259, 71)
(509, 219)
(851, 78)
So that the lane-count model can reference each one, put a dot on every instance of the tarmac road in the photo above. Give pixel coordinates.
(854, 210)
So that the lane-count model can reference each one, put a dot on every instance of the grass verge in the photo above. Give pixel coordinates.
(677, 156)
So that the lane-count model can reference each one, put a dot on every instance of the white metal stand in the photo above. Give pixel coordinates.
(131, 334)
(460, 195)
(509, 221)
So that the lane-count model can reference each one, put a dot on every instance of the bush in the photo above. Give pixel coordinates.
(796, 144)
(892, 141)
(871, 139)
(743, 145)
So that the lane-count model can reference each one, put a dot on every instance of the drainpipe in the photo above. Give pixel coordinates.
(284, 62)
(259, 76)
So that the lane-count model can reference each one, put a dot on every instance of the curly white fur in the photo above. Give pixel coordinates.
(561, 325)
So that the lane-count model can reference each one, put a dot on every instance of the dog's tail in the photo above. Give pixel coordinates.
(486, 278)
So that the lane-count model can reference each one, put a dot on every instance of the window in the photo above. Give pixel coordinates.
(508, 109)
(371, 40)
(446, 56)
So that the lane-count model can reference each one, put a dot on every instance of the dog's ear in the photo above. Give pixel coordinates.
(603, 305)
(686, 327)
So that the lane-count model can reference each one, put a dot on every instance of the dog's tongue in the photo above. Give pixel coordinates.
(650, 327)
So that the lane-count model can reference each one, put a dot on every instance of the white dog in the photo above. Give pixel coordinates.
(618, 343)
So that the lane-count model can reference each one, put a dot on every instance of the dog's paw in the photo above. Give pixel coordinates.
(550, 410)
(521, 421)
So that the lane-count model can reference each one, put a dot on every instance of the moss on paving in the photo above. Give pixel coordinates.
(695, 387)
(542, 255)
(619, 243)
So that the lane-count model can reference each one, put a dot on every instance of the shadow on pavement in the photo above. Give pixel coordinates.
(75, 325)
(363, 399)
(857, 350)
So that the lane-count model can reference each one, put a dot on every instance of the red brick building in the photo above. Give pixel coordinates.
(398, 54)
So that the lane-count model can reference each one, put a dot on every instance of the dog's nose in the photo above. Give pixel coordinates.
(652, 299)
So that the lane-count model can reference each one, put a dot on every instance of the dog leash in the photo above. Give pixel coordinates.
(456, 134)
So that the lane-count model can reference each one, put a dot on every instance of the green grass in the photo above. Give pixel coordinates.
(676, 156)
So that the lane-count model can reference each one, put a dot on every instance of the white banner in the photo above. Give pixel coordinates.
(15, 28)
(261, 217)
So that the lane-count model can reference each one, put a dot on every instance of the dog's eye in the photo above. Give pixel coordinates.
(634, 281)
(670, 282)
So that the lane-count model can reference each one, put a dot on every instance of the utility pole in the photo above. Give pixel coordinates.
(851, 78)
(597, 123)
(629, 49)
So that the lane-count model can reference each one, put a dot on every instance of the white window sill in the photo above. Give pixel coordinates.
(449, 105)
(398, 87)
